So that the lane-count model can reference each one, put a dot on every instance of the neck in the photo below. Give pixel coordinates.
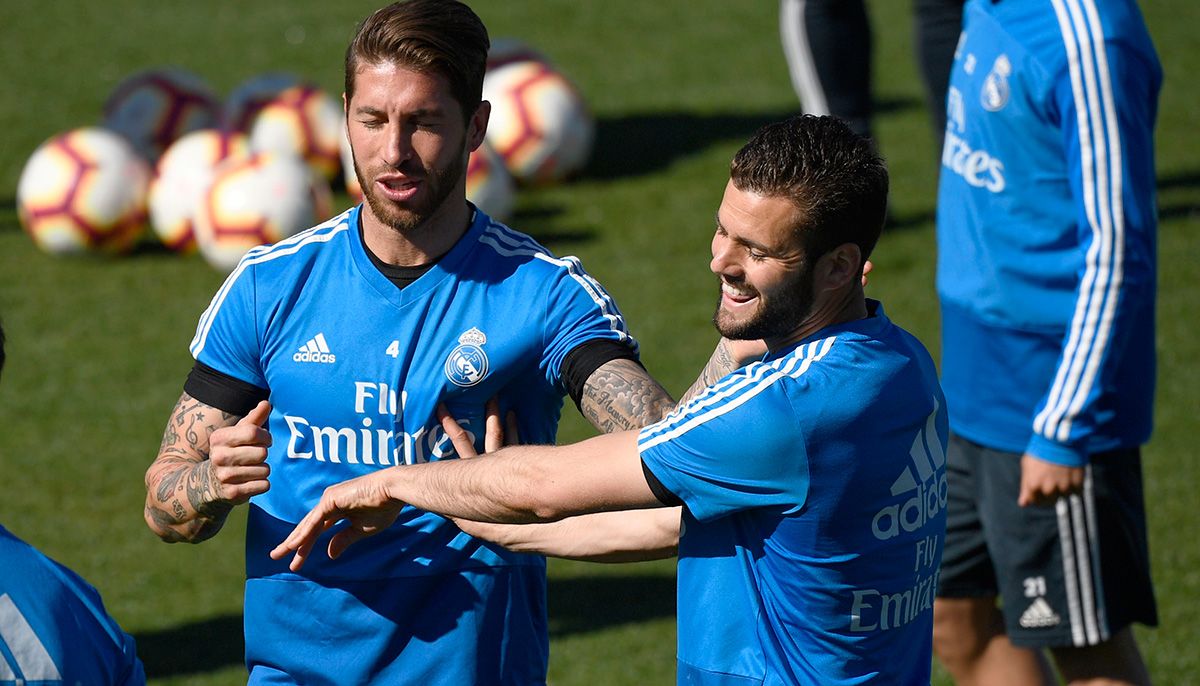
(420, 244)
(846, 306)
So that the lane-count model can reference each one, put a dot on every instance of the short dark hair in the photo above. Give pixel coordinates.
(832, 175)
(433, 36)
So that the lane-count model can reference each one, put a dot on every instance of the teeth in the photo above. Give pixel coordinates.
(734, 292)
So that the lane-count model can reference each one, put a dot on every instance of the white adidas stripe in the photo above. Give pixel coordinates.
(31, 657)
(1100, 146)
(691, 418)
(321, 233)
(509, 245)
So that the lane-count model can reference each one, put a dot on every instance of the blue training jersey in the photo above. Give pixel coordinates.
(1046, 228)
(814, 486)
(53, 626)
(355, 368)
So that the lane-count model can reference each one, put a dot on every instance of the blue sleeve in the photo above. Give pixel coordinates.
(227, 336)
(578, 310)
(1107, 105)
(58, 624)
(735, 447)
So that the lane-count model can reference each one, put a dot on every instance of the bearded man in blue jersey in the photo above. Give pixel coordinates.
(812, 482)
(1046, 277)
(355, 331)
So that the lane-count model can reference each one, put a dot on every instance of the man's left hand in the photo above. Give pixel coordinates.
(1044, 482)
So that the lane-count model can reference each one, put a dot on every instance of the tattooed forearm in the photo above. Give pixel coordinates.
(183, 500)
(720, 363)
(621, 395)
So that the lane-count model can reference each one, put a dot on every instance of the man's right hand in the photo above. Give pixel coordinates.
(238, 457)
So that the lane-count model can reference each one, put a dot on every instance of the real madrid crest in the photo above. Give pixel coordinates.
(467, 364)
(995, 87)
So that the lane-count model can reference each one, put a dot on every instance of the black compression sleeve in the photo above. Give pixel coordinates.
(579, 364)
(660, 491)
(222, 391)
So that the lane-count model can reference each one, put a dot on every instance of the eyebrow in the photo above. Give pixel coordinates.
(746, 242)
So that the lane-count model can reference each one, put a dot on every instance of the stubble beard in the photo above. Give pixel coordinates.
(405, 220)
(773, 318)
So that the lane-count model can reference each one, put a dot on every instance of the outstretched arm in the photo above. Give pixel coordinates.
(209, 461)
(515, 485)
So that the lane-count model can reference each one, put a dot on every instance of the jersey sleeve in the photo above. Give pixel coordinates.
(1106, 108)
(227, 336)
(736, 446)
(577, 310)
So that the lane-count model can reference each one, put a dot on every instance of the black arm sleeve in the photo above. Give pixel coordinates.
(222, 391)
(579, 364)
(659, 490)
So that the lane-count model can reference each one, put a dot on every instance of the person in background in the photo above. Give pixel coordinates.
(1046, 276)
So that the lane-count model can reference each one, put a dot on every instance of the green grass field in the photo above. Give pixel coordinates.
(98, 347)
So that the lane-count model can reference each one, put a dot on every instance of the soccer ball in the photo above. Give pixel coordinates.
(489, 185)
(540, 124)
(304, 121)
(84, 190)
(248, 98)
(508, 50)
(153, 108)
(261, 199)
(184, 174)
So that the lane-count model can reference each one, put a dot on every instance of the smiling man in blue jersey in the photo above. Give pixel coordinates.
(355, 330)
(812, 482)
(1046, 276)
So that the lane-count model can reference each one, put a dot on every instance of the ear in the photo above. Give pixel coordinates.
(840, 267)
(477, 126)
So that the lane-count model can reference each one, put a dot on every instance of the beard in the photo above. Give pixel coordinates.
(774, 317)
(440, 183)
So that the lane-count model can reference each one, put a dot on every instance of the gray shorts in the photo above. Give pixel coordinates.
(1069, 574)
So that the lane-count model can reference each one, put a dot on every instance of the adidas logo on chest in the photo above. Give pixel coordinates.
(315, 350)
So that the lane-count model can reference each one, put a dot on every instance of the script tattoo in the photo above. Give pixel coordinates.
(621, 395)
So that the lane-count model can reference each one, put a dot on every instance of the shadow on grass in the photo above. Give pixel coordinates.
(639, 144)
(583, 604)
(193, 648)
(577, 606)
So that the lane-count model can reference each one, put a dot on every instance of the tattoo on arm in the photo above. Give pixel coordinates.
(179, 475)
(621, 395)
(720, 363)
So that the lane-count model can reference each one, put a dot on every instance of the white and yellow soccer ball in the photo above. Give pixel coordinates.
(489, 185)
(184, 173)
(84, 191)
(304, 121)
(249, 97)
(155, 107)
(261, 199)
(540, 124)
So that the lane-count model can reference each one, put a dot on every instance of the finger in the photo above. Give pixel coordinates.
(344, 539)
(457, 435)
(239, 456)
(493, 437)
(232, 476)
(257, 416)
(511, 432)
(240, 493)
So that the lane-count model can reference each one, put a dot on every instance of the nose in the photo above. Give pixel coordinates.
(398, 147)
(722, 256)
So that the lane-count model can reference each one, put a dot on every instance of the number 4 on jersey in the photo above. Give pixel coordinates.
(393, 349)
